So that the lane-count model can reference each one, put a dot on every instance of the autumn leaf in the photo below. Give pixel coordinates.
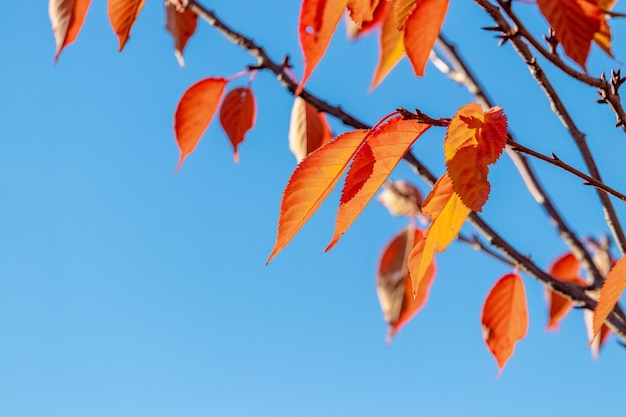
(311, 182)
(610, 294)
(566, 268)
(448, 214)
(401, 198)
(194, 113)
(603, 36)
(308, 129)
(391, 49)
(362, 10)
(473, 141)
(421, 30)
(393, 285)
(597, 342)
(318, 22)
(67, 17)
(237, 115)
(504, 317)
(575, 23)
(181, 25)
(355, 31)
(402, 9)
(384, 148)
(122, 15)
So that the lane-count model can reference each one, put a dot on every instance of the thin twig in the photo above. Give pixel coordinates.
(564, 116)
(475, 243)
(567, 290)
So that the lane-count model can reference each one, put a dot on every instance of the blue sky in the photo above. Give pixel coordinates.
(129, 290)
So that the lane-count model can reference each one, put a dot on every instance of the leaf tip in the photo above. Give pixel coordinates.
(236, 156)
(179, 57)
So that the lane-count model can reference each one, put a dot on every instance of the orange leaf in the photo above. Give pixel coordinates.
(311, 182)
(473, 141)
(355, 31)
(448, 213)
(566, 268)
(505, 317)
(308, 129)
(610, 293)
(237, 115)
(362, 10)
(391, 49)
(595, 342)
(402, 9)
(194, 113)
(384, 148)
(575, 23)
(421, 31)
(603, 36)
(181, 25)
(318, 21)
(67, 17)
(392, 284)
(122, 15)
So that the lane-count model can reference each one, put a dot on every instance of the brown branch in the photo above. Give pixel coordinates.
(475, 243)
(567, 290)
(561, 111)
(609, 91)
(464, 75)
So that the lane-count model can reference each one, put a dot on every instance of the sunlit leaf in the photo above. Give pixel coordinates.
(362, 10)
(308, 129)
(311, 182)
(421, 30)
(194, 113)
(567, 269)
(393, 285)
(504, 317)
(355, 31)
(401, 198)
(575, 23)
(318, 22)
(181, 25)
(401, 11)
(67, 17)
(122, 15)
(610, 293)
(597, 342)
(391, 49)
(237, 115)
(385, 147)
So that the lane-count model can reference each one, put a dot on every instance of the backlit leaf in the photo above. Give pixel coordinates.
(504, 317)
(391, 49)
(598, 341)
(181, 25)
(308, 129)
(575, 23)
(362, 10)
(566, 268)
(610, 293)
(355, 31)
(402, 9)
(318, 22)
(67, 17)
(237, 115)
(473, 141)
(421, 31)
(439, 196)
(393, 285)
(122, 15)
(194, 113)
(385, 147)
(311, 182)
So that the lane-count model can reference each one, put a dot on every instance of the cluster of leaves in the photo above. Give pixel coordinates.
(474, 140)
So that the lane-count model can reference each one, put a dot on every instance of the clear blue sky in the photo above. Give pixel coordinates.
(129, 290)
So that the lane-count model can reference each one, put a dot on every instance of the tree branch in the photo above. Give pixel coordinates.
(561, 111)
(569, 291)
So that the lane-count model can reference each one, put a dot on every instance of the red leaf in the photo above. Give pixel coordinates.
(122, 15)
(308, 129)
(67, 17)
(194, 113)
(610, 293)
(237, 115)
(505, 317)
(566, 268)
(311, 182)
(421, 31)
(575, 23)
(182, 26)
(318, 22)
(369, 170)
(395, 293)
(391, 49)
